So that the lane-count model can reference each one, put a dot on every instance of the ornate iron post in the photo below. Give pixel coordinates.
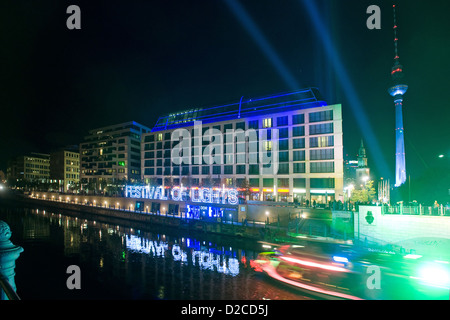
(8, 256)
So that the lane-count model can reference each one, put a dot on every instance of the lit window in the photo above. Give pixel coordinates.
(267, 123)
(268, 145)
(159, 137)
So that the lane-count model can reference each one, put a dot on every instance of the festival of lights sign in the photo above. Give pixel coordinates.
(201, 195)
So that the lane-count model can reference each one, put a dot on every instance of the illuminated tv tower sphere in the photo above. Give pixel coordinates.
(397, 89)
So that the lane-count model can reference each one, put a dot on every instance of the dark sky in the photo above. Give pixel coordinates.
(137, 60)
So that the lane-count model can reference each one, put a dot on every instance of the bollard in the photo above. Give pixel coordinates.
(8, 256)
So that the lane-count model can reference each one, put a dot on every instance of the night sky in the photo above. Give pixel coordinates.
(137, 60)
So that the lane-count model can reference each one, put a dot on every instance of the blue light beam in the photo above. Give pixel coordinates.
(263, 44)
(349, 90)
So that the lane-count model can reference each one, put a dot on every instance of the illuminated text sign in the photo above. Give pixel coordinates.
(202, 195)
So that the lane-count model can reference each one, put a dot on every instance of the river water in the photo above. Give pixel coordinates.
(125, 260)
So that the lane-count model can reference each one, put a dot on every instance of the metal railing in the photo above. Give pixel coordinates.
(417, 210)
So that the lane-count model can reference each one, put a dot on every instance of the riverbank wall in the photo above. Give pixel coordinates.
(248, 230)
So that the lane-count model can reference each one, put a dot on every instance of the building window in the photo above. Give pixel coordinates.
(253, 169)
(283, 133)
(321, 154)
(322, 167)
(268, 183)
(298, 119)
(283, 168)
(240, 125)
(159, 137)
(240, 169)
(149, 138)
(205, 169)
(283, 182)
(321, 116)
(298, 143)
(253, 182)
(299, 167)
(283, 156)
(284, 144)
(321, 142)
(298, 155)
(228, 169)
(253, 124)
(267, 145)
(298, 131)
(282, 121)
(267, 123)
(299, 183)
(322, 183)
(322, 128)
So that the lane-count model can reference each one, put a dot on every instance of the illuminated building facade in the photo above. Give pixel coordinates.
(111, 154)
(298, 132)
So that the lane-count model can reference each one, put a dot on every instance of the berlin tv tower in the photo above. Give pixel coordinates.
(397, 90)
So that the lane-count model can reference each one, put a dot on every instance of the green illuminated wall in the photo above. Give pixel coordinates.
(426, 234)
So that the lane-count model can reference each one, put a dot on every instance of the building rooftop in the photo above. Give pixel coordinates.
(243, 107)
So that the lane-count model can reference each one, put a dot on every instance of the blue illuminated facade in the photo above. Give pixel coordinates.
(297, 128)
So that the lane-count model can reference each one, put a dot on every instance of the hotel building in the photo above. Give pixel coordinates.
(111, 154)
(302, 132)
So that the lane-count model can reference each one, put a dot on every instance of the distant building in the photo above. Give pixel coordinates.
(33, 167)
(350, 165)
(362, 170)
(356, 170)
(65, 167)
(111, 154)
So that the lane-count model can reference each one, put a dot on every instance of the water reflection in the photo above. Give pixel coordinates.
(190, 251)
(131, 261)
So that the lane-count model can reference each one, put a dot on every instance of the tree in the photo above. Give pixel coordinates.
(245, 184)
(364, 193)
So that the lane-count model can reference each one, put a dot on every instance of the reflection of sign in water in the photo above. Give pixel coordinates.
(203, 259)
(156, 248)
